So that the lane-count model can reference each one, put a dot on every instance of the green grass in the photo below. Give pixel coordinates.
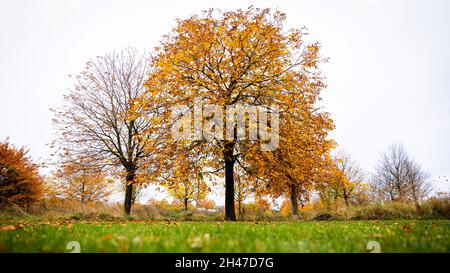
(340, 236)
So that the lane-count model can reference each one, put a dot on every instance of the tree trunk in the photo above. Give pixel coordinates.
(240, 207)
(128, 193)
(82, 192)
(294, 201)
(346, 196)
(27, 206)
(399, 191)
(346, 202)
(416, 201)
(230, 214)
(415, 198)
(185, 204)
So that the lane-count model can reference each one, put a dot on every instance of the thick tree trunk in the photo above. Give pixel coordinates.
(185, 202)
(128, 193)
(294, 201)
(230, 214)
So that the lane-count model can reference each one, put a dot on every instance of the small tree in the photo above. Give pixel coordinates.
(418, 186)
(184, 179)
(242, 189)
(391, 173)
(399, 178)
(349, 177)
(20, 182)
(296, 167)
(77, 181)
(188, 191)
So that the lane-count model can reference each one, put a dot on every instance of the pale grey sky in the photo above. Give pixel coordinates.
(388, 76)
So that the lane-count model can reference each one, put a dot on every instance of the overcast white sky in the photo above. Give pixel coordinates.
(388, 77)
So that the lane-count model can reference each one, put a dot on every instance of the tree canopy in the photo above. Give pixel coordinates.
(241, 58)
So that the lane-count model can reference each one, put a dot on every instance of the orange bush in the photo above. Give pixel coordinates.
(20, 182)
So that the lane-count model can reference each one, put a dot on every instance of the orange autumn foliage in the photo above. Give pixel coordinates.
(242, 57)
(206, 204)
(20, 182)
(78, 181)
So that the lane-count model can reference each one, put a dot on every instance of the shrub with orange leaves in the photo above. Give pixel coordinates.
(20, 182)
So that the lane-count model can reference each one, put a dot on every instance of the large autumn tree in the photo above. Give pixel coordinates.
(20, 182)
(96, 124)
(242, 57)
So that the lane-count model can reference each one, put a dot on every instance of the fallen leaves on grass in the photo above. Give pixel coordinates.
(407, 229)
(106, 237)
(3, 248)
(8, 228)
(11, 227)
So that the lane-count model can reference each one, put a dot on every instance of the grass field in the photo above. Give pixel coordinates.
(339, 236)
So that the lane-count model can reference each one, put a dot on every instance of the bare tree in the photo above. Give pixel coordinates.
(392, 171)
(376, 192)
(97, 120)
(399, 178)
(418, 185)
